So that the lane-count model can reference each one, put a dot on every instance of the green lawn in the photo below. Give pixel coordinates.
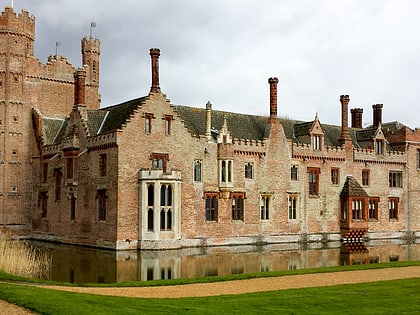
(388, 297)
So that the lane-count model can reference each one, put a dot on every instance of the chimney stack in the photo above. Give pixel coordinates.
(155, 53)
(79, 86)
(377, 114)
(208, 120)
(344, 100)
(273, 98)
(356, 118)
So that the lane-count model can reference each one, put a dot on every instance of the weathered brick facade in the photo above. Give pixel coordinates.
(150, 174)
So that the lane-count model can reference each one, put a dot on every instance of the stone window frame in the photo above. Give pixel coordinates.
(316, 142)
(292, 205)
(265, 206)
(166, 206)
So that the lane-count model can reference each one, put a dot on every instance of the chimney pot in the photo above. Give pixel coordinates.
(377, 114)
(344, 100)
(79, 86)
(273, 98)
(154, 54)
(356, 118)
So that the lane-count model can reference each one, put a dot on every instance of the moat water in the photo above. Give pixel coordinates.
(77, 264)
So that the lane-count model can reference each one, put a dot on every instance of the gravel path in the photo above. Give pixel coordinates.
(241, 286)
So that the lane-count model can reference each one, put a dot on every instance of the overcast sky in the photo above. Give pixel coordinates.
(224, 51)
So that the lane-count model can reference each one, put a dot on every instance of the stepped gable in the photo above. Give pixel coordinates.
(241, 126)
(53, 130)
(117, 115)
(352, 188)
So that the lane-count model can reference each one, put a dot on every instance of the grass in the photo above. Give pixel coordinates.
(18, 258)
(387, 297)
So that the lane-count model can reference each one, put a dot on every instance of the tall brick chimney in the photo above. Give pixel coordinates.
(155, 53)
(273, 98)
(79, 87)
(208, 120)
(344, 100)
(377, 114)
(356, 117)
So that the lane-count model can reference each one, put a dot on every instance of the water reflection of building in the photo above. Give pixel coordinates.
(81, 265)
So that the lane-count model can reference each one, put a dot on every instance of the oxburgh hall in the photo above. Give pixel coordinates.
(150, 174)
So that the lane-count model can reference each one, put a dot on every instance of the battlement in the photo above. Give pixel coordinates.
(91, 44)
(22, 23)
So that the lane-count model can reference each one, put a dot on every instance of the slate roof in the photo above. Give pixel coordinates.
(240, 126)
(53, 130)
(118, 115)
(352, 188)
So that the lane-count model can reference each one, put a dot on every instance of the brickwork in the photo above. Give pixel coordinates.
(149, 174)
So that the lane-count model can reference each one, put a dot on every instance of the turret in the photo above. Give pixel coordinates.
(91, 50)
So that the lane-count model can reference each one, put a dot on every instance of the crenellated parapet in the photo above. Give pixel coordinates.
(370, 156)
(23, 23)
(57, 69)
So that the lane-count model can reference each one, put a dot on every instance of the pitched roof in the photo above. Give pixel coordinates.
(118, 115)
(241, 126)
(53, 130)
(352, 188)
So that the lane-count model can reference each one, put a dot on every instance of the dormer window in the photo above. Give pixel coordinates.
(316, 142)
(379, 146)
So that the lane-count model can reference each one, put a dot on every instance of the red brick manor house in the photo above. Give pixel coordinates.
(150, 174)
